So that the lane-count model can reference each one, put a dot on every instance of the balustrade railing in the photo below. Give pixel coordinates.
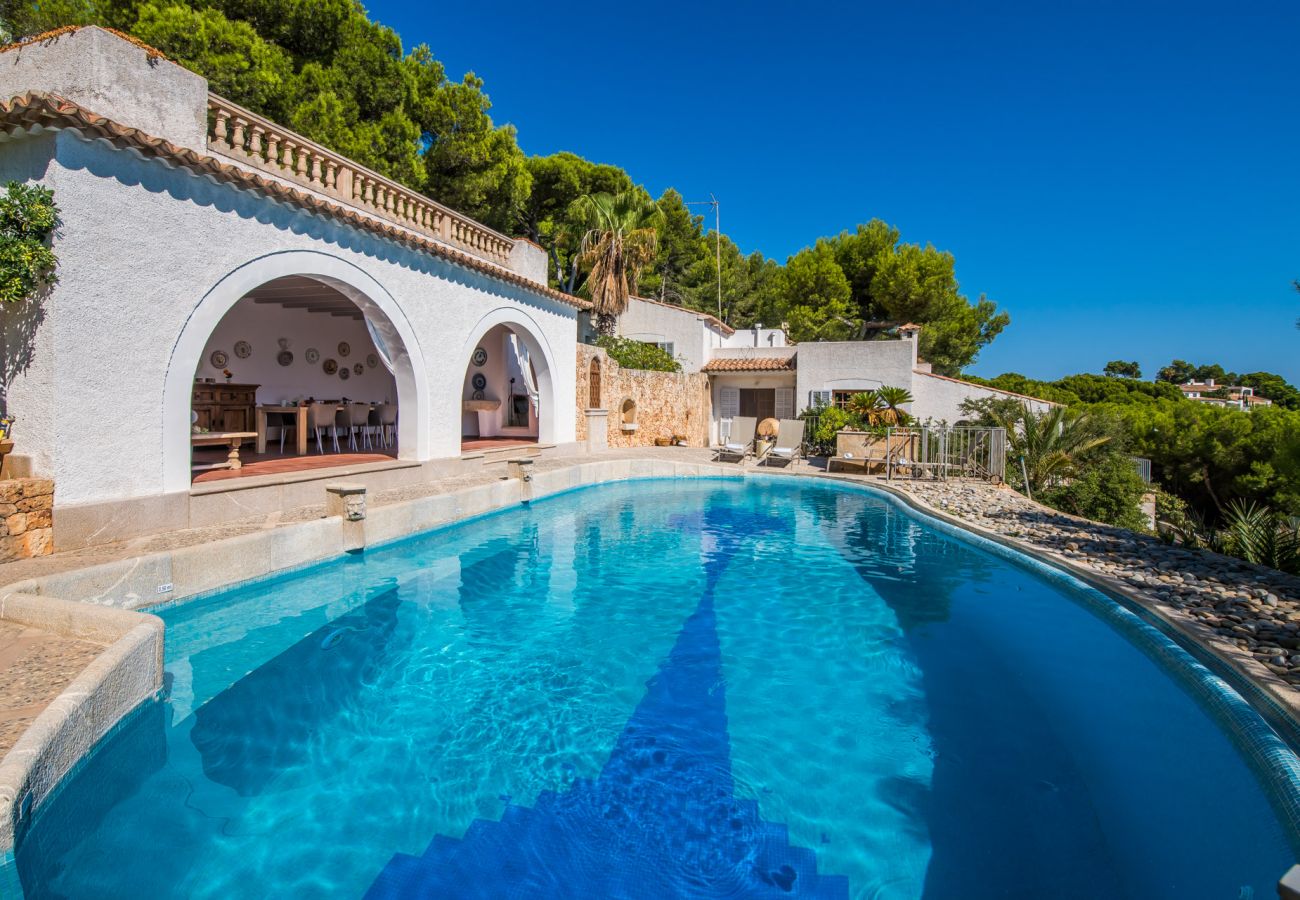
(260, 143)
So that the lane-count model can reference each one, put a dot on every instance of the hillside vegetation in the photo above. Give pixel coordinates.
(323, 68)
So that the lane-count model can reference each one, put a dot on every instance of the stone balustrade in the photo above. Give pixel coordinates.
(248, 138)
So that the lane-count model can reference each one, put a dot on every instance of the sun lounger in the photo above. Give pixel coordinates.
(740, 442)
(789, 443)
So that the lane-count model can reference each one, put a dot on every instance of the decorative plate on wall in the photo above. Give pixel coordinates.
(218, 359)
(284, 358)
(243, 349)
(284, 343)
(479, 381)
(480, 356)
(312, 356)
(372, 360)
(344, 373)
(358, 369)
(330, 367)
(477, 395)
(344, 348)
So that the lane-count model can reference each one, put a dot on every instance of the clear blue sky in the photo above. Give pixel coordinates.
(1123, 178)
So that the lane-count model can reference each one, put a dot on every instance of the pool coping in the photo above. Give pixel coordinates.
(1283, 700)
(127, 673)
(118, 597)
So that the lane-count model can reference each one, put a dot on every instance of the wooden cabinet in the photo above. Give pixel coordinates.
(226, 407)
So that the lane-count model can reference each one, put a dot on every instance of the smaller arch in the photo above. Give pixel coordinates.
(593, 383)
(627, 415)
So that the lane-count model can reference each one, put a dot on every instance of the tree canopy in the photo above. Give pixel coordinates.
(325, 69)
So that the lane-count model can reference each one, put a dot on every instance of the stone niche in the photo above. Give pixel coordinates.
(26, 518)
(661, 404)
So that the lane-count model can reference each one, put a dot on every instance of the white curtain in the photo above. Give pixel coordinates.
(380, 344)
(520, 351)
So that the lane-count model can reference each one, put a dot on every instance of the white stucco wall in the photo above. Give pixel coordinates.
(692, 335)
(151, 258)
(854, 366)
(755, 337)
(114, 78)
(940, 399)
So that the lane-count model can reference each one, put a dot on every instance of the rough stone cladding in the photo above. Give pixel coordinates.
(26, 518)
(667, 403)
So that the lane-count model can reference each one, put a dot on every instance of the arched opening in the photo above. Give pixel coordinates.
(295, 376)
(506, 397)
(627, 415)
(593, 384)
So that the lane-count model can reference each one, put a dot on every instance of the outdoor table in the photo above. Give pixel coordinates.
(217, 438)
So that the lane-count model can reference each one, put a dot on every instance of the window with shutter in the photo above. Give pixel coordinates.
(730, 405)
(819, 398)
(785, 403)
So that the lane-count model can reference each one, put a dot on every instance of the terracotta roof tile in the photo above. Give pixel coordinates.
(52, 111)
(751, 364)
(49, 36)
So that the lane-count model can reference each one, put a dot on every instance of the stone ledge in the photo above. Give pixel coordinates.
(126, 674)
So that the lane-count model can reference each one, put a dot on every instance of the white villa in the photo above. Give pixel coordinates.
(758, 372)
(241, 314)
(1226, 396)
(199, 239)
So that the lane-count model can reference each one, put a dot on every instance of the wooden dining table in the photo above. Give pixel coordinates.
(300, 431)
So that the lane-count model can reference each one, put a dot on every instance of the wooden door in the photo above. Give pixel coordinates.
(758, 402)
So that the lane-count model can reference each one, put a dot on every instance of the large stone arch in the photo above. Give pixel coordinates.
(379, 307)
(543, 358)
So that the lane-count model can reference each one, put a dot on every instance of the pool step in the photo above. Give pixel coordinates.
(662, 820)
(566, 847)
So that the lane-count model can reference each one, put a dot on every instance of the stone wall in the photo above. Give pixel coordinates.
(26, 518)
(667, 403)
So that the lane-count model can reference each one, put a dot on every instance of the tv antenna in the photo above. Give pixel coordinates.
(717, 238)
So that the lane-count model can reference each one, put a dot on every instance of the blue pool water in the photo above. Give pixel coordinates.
(776, 688)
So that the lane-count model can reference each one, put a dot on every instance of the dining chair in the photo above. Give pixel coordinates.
(323, 417)
(388, 423)
(287, 422)
(358, 421)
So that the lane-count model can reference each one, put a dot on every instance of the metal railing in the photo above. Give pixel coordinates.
(246, 137)
(1143, 467)
(943, 452)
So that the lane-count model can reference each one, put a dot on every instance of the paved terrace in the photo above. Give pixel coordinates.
(1246, 614)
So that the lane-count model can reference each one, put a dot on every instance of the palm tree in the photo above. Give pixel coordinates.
(618, 240)
(1051, 443)
(892, 398)
(881, 406)
(865, 405)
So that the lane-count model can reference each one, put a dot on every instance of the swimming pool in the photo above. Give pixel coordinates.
(772, 687)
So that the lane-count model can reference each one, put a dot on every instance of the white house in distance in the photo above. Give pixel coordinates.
(199, 238)
(1227, 396)
(758, 372)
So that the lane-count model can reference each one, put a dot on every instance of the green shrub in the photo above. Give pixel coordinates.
(28, 216)
(1109, 491)
(831, 420)
(632, 354)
